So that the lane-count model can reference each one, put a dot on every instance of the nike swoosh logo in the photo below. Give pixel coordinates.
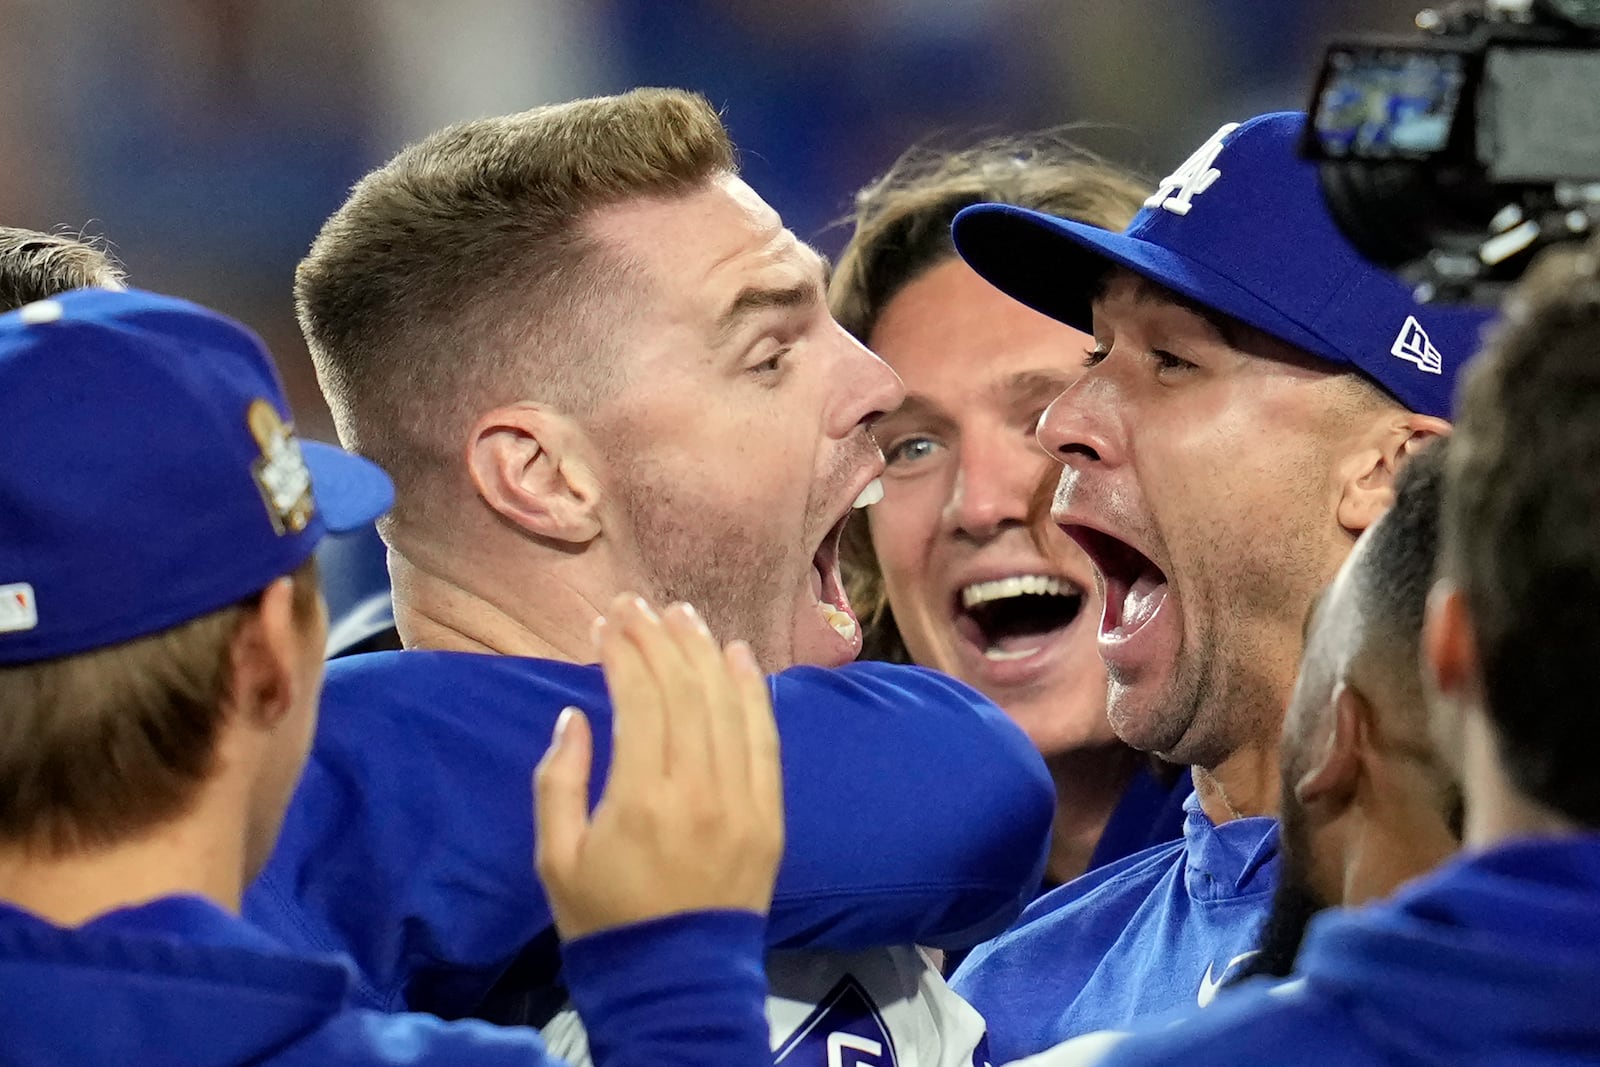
(1208, 987)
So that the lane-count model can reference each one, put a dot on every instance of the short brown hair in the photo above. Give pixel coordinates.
(1520, 515)
(458, 276)
(35, 266)
(902, 230)
(99, 747)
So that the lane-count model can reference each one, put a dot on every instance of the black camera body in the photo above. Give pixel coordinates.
(1454, 157)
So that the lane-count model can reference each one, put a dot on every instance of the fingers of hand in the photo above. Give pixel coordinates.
(638, 723)
(760, 734)
(561, 797)
(660, 641)
(717, 720)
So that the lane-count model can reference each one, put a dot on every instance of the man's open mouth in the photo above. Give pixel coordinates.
(1013, 617)
(827, 585)
(1135, 587)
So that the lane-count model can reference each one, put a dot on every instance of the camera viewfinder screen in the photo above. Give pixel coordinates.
(1387, 103)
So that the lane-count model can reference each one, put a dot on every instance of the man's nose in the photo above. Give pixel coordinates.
(996, 479)
(1083, 425)
(871, 388)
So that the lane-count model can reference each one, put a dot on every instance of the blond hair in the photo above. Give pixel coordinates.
(902, 230)
(35, 265)
(459, 276)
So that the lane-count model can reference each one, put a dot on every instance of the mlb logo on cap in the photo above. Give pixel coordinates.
(149, 472)
(16, 608)
(1240, 227)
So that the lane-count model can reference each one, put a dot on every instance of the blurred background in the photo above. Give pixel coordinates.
(207, 140)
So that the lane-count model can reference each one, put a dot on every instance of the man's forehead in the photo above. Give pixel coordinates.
(718, 237)
(1121, 284)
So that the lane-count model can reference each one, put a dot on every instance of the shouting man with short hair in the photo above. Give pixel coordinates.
(595, 361)
(1253, 388)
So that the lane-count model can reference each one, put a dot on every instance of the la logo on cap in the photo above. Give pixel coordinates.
(1178, 189)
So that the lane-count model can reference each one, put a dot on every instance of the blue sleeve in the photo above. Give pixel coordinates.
(1265, 1021)
(692, 988)
(918, 814)
(683, 991)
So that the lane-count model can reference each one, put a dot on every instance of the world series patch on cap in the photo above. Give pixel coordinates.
(149, 472)
(1241, 228)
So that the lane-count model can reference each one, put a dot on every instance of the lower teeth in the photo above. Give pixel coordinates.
(841, 621)
(1001, 654)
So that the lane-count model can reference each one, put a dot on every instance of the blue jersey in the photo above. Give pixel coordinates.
(1495, 958)
(179, 981)
(409, 847)
(1156, 931)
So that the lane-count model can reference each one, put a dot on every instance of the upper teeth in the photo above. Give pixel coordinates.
(870, 495)
(1001, 588)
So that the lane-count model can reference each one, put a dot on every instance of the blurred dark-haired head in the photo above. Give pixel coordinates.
(1521, 514)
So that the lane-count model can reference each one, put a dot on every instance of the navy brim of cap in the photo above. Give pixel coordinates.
(350, 491)
(1055, 266)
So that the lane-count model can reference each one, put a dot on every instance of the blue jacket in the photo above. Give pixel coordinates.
(1154, 932)
(917, 814)
(180, 982)
(1493, 959)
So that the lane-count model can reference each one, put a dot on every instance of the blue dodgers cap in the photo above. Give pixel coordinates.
(149, 473)
(1241, 228)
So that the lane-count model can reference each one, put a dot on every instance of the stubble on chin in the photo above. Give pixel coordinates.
(689, 551)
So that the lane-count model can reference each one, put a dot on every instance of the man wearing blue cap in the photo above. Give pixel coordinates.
(1253, 390)
(1494, 957)
(161, 635)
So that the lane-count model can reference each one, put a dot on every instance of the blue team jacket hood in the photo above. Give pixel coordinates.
(177, 981)
(1500, 950)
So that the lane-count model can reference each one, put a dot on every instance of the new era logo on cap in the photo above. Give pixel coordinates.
(1413, 346)
(18, 610)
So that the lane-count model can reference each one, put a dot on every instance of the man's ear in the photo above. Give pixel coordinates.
(528, 465)
(1330, 779)
(1450, 673)
(1367, 475)
(1449, 647)
(266, 657)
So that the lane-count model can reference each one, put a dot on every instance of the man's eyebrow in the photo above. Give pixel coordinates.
(1031, 385)
(1148, 291)
(916, 409)
(753, 298)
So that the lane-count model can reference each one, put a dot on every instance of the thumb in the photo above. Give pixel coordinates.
(561, 795)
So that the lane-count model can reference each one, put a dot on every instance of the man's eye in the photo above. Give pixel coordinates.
(1095, 355)
(772, 364)
(1168, 361)
(910, 450)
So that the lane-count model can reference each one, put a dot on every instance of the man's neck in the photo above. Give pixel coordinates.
(1496, 810)
(1242, 785)
(195, 856)
(1391, 849)
(548, 621)
(1089, 783)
